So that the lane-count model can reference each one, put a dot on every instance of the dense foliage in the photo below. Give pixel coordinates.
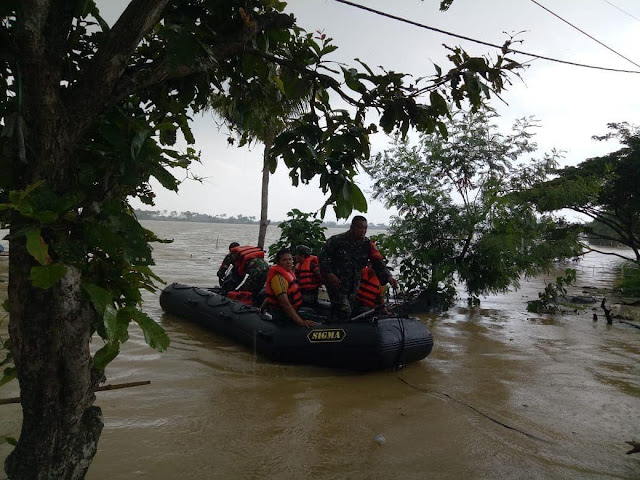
(456, 221)
(88, 114)
(604, 189)
(300, 229)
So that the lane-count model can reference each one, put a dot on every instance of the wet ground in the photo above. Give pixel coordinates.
(505, 394)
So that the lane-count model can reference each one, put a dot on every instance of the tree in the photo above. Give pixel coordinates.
(605, 189)
(88, 114)
(299, 229)
(261, 113)
(456, 220)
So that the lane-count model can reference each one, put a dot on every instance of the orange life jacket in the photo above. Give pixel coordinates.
(370, 290)
(243, 255)
(306, 279)
(241, 296)
(295, 299)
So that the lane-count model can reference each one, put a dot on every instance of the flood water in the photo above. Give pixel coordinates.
(504, 394)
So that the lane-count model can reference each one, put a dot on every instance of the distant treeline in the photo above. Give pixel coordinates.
(600, 234)
(174, 216)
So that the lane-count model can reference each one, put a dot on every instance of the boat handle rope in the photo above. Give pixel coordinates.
(399, 364)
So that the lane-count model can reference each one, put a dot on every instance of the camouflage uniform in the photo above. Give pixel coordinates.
(228, 260)
(256, 269)
(346, 257)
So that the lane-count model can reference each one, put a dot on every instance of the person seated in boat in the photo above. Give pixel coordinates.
(370, 295)
(249, 271)
(341, 263)
(223, 271)
(307, 272)
(283, 295)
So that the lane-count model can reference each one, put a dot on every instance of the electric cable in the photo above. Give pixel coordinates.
(623, 11)
(585, 33)
(481, 42)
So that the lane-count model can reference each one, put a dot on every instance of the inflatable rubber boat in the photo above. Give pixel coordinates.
(371, 343)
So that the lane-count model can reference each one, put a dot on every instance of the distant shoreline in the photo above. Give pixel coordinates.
(169, 219)
(235, 220)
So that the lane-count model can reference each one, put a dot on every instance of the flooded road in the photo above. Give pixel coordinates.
(504, 394)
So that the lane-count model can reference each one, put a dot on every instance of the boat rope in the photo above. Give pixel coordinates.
(399, 362)
(450, 398)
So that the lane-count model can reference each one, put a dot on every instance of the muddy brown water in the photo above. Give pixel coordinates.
(504, 394)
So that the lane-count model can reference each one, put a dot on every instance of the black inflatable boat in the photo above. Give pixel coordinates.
(373, 343)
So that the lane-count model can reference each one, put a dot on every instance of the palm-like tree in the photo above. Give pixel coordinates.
(260, 115)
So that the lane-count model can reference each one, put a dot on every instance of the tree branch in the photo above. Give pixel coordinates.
(95, 90)
(147, 76)
(591, 249)
(332, 82)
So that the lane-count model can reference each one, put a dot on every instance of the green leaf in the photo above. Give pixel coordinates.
(105, 355)
(10, 440)
(279, 83)
(138, 142)
(439, 103)
(442, 128)
(9, 374)
(47, 277)
(351, 79)
(358, 199)
(388, 119)
(145, 270)
(154, 334)
(166, 179)
(99, 296)
(121, 330)
(167, 133)
(5, 305)
(110, 323)
(37, 247)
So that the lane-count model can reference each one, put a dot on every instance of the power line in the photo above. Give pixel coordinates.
(623, 11)
(416, 24)
(585, 33)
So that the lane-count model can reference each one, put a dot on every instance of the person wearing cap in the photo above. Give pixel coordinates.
(341, 263)
(249, 272)
(226, 263)
(307, 271)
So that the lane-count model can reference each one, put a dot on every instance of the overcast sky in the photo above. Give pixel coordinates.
(571, 103)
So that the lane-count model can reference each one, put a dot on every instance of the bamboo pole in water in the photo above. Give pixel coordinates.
(117, 386)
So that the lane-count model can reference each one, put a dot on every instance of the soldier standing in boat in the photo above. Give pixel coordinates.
(341, 263)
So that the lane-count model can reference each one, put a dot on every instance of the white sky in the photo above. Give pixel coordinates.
(571, 103)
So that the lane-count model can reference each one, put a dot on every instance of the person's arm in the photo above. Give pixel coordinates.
(263, 305)
(222, 271)
(381, 269)
(279, 286)
(283, 301)
(326, 257)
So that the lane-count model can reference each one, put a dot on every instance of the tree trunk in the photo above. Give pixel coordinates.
(264, 199)
(50, 331)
